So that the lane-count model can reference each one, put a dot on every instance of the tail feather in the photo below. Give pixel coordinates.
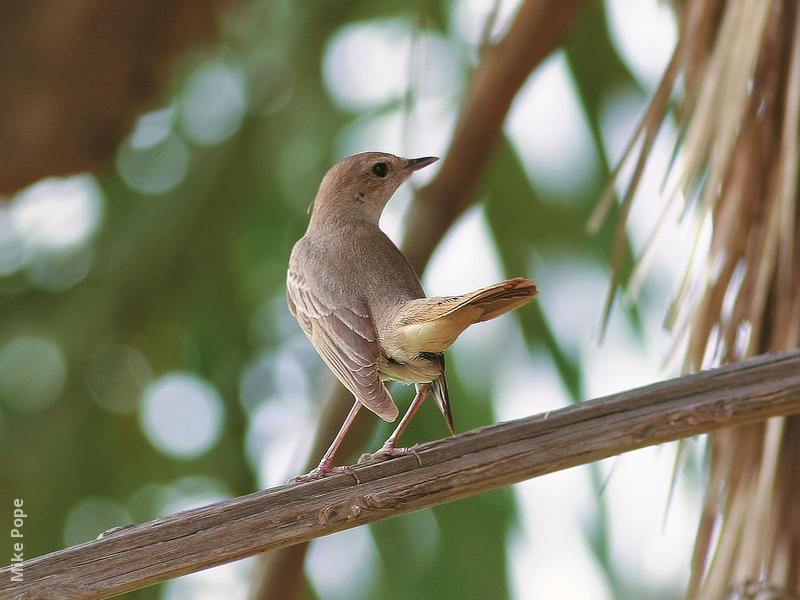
(442, 399)
(432, 324)
(504, 297)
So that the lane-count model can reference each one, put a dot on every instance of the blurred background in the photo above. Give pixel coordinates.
(148, 362)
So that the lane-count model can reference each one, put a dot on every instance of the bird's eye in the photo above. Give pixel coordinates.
(380, 169)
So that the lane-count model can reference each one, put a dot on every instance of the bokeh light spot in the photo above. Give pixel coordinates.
(549, 130)
(343, 579)
(116, 375)
(272, 89)
(57, 271)
(57, 213)
(366, 64)
(645, 33)
(230, 581)
(11, 248)
(275, 391)
(181, 415)
(152, 128)
(191, 492)
(32, 374)
(213, 102)
(154, 169)
(92, 516)
(468, 20)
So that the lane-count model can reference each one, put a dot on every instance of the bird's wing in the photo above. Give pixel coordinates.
(344, 334)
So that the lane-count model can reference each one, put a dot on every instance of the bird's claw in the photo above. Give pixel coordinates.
(385, 452)
(320, 472)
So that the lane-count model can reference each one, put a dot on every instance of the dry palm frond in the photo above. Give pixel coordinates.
(739, 64)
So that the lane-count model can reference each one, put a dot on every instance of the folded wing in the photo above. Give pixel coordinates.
(344, 334)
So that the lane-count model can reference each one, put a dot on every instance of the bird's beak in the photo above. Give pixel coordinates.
(415, 164)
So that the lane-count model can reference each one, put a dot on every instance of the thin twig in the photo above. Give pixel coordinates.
(438, 472)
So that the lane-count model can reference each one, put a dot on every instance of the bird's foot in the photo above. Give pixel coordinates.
(385, 452)
(321, 471)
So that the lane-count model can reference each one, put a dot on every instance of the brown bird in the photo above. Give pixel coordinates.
(361, 304)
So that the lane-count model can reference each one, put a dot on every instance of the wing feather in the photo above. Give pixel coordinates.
(344, 334)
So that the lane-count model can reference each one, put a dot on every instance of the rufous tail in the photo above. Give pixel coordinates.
(432, 324)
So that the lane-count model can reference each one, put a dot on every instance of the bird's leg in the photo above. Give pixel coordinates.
(389, 447)
(325, 465)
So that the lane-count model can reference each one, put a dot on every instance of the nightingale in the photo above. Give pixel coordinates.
(362, 306)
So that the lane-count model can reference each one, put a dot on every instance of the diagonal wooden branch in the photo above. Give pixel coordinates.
(437, 472)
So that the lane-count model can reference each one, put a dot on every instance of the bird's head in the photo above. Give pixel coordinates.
(359, 186)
